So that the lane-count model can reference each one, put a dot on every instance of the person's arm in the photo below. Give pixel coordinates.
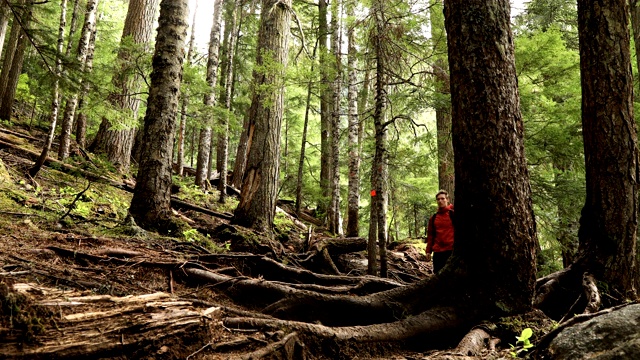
(430, 237)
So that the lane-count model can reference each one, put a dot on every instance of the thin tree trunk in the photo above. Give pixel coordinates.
(81, 121)
(353, 202)
(325, 109)
(16, 30)
(54, 105)
(15, 70)
(333, 212)
(73, 26)
(81, 59)
(203, 164)
(150, 205)
(303, 142)
(5, 14)
(226, 96)
(185, 100)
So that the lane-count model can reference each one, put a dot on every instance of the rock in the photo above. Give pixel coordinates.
(613, 335)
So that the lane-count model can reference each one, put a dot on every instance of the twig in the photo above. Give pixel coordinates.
(71, 206)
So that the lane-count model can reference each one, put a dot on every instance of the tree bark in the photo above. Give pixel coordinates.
(256, 208)
(496, 246)
(9, 94)
(226, 95)
(443, 110)
(213, 60)
(333, 212)
(81, 59)
(150, 206)
(5, 14)
(353, 197)
(117, 143)
(325, 109)
(16, 30)
(81, 121)
(607, 232)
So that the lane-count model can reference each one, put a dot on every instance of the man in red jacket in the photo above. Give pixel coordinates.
(440, 232)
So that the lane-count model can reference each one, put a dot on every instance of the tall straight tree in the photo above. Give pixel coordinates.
(226, 86)
(608, 230)
(607, 234)
(257, 205)
(353, 197)
(333, 211)
(81, 118)
(150, 205)
(443, 107)
(184, 101)
(81, 60)
(116, 142)
(213, 60)
(12, 43)
(325, 106)
(55, 106)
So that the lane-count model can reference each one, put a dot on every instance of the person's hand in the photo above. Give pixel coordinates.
(428, 257)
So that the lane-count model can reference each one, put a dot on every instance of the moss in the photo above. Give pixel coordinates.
(19, 313)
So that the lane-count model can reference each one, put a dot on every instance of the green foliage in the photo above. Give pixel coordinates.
(523, 344)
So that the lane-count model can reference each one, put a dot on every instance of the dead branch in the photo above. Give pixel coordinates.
(286, 345)
(473, 343)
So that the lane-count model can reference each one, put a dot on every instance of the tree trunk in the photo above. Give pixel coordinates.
(117, 144)
(185, 101)
(81, 121)
(81, 58)
(16, 30)
(73, 26)
(379, 165)
(150, 206)
(55, 106)
(5, 14)
(303, 144)
(353, 202)
(635, 25)
(213, 60)
(607, 232)
(496, 246)
(226, 83)
(256, 208)
(443, 110)
(8, 96)
(325, 109)
(333, 211)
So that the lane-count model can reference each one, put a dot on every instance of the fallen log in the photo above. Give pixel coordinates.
(127, 326)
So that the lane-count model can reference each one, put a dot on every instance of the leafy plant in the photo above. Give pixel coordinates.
(523, 344)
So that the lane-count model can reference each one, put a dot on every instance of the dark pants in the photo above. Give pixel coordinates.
(439, 259)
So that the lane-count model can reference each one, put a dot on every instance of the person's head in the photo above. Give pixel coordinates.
(442, 197)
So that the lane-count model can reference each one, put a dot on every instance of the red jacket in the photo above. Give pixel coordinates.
(440, 231)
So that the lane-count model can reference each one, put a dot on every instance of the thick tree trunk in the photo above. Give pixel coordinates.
(150, 206)
(117, 143)
(496, 246)
(635, 25)
(81, 58)
(260, 185)
(608, 230)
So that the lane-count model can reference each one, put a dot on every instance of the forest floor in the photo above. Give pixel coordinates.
(77, 281)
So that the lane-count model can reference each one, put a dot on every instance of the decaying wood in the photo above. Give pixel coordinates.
(473, 343)
(124, 324)
(179, 204)
(285, 347)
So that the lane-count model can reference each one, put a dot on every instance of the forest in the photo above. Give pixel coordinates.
(244, 179)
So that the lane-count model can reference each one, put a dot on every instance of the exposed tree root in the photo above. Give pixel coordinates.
(474, 342)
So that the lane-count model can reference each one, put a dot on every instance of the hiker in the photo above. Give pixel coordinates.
(440, 232)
